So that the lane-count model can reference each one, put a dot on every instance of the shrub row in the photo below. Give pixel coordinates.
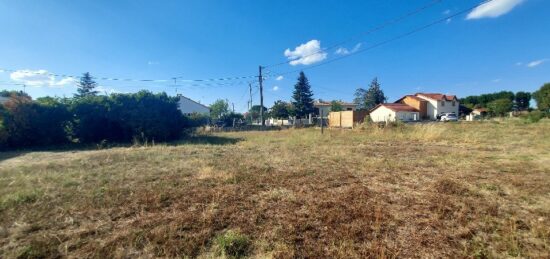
(141, 116)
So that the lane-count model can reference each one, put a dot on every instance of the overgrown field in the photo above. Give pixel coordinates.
(423, 191)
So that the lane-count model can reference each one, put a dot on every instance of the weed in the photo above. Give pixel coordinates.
(232, 244)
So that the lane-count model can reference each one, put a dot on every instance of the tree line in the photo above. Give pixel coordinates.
(502, 102)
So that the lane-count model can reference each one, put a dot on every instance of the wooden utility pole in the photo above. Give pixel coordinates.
(250, 102)
(322, 124)
(260, 79)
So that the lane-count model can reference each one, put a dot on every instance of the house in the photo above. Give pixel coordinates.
(394, 111)
(325, 107)
(3, 100)
(188, 106)
(480, 111)
(431, 105)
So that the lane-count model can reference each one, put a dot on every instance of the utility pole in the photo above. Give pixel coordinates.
(250, 102)
(260, 79)
(233, 104)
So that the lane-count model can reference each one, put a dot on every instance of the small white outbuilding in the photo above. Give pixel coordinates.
(394, 111)
(188, 106)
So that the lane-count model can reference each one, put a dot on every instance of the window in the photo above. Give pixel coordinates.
(442, 103)
(454, 103)
(349, 109)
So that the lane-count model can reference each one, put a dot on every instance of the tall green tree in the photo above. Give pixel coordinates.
(360, 98)
(522, 100)
(374, 95)
(86, 86)
(219, 108)
(542, 96)
(500, 107)
(254, 112)
(281, 110)
(302, 97)
(336, 106)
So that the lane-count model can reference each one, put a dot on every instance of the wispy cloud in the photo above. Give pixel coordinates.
(447, 12)
(275, 88)
(536, 63)
(497, 80)
(153, 63)
(345, 51)
(106, 90)
(306, 54)
(39, 78)
(279, 78)
(493, 9)
(519, 63)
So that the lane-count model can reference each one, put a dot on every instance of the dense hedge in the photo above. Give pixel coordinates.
(142, 116)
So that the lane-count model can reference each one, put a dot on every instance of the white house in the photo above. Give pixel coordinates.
(438, 104)
(3, 100)
(188, 106)
(325, 107)
(394, 111)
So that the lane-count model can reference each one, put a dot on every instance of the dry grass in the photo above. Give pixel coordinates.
(424, 191)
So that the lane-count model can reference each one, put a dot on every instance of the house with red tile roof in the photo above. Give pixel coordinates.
(420, 106)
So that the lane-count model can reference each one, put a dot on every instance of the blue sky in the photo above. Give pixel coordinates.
(500, 46)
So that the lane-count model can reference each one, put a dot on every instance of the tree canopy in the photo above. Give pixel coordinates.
(336, 106)
(542, 97)
(368, 99)
(302, 97)
(500, 106)
(219, 108)
(281, 110)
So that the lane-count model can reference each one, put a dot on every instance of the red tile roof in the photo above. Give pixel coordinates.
(396, 107)
(410, 96)
(438, 97)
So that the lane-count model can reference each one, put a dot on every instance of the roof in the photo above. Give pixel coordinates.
(410, 96)
(181, 96)
(438, 97)
(4, 99)
(396, 107)
(317, 103)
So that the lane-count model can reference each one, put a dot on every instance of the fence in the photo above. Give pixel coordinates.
(346, 119)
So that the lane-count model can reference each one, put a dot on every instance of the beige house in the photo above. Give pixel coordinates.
(385, 112)
(438, 104)
(325, 107)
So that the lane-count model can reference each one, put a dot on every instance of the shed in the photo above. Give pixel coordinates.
(346, 119)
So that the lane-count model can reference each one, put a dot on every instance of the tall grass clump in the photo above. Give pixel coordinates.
(232, 244)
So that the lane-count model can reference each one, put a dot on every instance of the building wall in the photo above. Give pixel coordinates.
(435, 108)
(382, 114)
(419, 105)
(187, 106)
(327, 109)
(408, 116)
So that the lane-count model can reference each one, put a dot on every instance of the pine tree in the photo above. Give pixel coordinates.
(86, 86)
(374, 95)
(303, 97)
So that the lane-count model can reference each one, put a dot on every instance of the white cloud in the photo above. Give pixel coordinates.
(151, 63)
(345, 51)
(496, 80)
(536, 62)
(275, 88)
(107, 90)
(449, 20)
(519, 63)
(447, 12)
(306, 54)
(493, 9)
(279, 78)
(39, 78)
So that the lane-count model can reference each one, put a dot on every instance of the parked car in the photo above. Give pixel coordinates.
(449, 117)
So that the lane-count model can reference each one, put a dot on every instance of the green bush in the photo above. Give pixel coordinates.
(534, 116)
(233, 244)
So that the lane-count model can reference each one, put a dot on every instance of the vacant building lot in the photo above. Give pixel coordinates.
(434, 190)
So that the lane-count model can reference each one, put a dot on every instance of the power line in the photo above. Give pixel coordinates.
(180, 78)
(375, 29)
(390, 40)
